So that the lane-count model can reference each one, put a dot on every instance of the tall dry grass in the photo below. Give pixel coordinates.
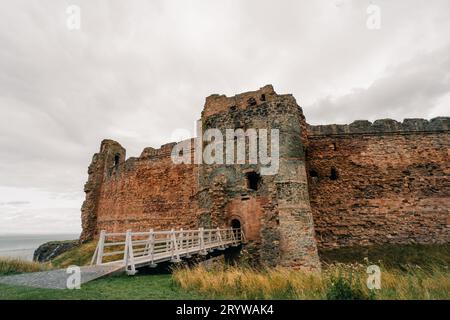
(80, 255)
(337, 281)
(13, 266)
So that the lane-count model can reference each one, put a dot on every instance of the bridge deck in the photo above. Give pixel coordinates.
(130, 250)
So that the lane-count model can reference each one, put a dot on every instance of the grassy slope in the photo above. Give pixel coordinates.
(117, 287)
(149, 287)
(392, 256)
(430, 281)
(79, 256)
(336, 282)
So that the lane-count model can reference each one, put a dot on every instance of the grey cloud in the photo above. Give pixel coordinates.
(14, 203)
(138, 70)
(410, 89)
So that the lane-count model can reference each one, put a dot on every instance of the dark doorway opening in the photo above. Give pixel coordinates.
(235, 224)
(253, 180)
(232, 254)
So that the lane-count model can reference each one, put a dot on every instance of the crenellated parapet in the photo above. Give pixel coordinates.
(382, 126)
(220, 103)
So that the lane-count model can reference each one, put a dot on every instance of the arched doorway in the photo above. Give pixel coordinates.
(235, 224)
(232, 253)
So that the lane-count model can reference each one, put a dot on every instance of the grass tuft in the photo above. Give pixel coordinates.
(337, 282)
(9, 266)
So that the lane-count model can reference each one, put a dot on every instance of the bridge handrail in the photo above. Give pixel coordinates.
(173, 243)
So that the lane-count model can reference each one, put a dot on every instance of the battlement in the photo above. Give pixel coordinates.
(165, 151)
(381, 126)
(221, 103)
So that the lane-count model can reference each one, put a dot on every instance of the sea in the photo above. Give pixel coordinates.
(23, 245)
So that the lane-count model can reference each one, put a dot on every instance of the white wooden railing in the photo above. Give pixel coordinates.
(132, 249)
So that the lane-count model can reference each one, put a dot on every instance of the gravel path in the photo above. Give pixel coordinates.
(57, 279)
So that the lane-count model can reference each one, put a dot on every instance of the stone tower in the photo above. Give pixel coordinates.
(104, 163)
(273, 210)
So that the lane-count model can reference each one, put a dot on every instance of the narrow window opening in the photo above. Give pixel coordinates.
(313, 174)
(333, 146)
(116, 159)
(253, 180)
(333, 174)
(251, 102)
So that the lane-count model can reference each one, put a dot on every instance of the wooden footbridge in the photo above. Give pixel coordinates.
(130, 250)
(118, 252)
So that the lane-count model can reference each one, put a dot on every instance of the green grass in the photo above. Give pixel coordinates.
(408, 272)
(139, 287)
(400, 257)
(79, 256)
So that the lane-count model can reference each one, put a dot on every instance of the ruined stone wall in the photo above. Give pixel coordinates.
(148, 192)
(391, 182)
(337, 185)
(111, 154)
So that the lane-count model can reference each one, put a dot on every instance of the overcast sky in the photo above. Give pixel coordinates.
(138, 70)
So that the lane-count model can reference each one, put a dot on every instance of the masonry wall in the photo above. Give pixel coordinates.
(392, 182)
(276, 217)
(148, 192)
(337, 185)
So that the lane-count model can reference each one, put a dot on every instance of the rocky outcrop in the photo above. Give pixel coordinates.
(52, 249)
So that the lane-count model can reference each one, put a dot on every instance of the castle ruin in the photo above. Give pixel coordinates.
(337, 185)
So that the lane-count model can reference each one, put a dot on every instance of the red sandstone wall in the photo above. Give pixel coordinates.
(148, 193)
(391, 188)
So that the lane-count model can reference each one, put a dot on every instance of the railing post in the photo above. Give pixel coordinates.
(181, 239)
(152, 249)
(219, 237)
(233, 236)
(168, 242)
(94, 257)
(171, 242)
(150, 243)
(175, 252)
(101, 246)
(202, 241)
(188, 239)
(129, 255)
